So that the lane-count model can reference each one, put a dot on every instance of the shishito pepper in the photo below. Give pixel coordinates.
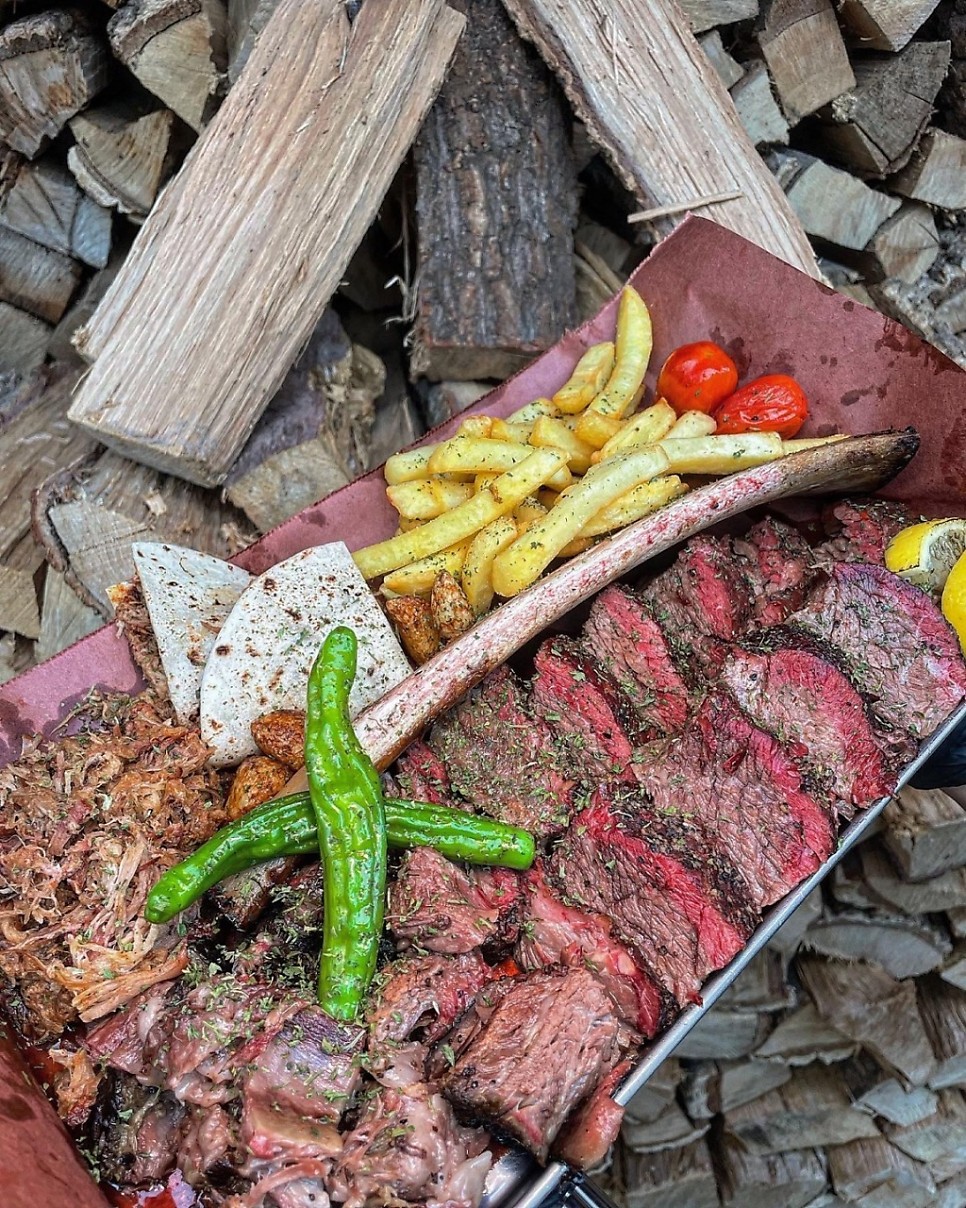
(286, 827)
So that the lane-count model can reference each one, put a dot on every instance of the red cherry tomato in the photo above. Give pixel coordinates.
(773, 403)
(696, 377)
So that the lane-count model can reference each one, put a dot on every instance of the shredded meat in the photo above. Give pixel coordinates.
(131, 615)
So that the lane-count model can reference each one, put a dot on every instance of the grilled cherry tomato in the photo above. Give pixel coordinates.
(773, 403)
(696, 377)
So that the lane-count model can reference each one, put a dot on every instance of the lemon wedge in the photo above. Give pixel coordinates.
(954, 599)
(924, 554)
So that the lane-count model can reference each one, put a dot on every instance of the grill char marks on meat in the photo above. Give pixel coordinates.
(680, 907)
(501, 759)
(553, 933)
(702, 603)
(594, 727)
(547, 1043)
(893, 642)
(780, 566)
(631, 647)
(744, 793)
(435, 905)
(820, 719)
(136, 1131)
(860, 529)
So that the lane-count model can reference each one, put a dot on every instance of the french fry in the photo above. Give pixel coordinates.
(407, 526)
(547, 497)
(640, 501)
(451, 609)
(418, 577)
(414, 622)
(623, 388)
(480, 455)
(426, 498)
(575, 547)
(475, 425)
(551, 433)
(810, 442)
(497, 498)
(721, 454)
(646, 428)
(519, 565)
(692, 423)
(531, 510)
(518, 433)
(532, 411)
(480, 481)
(477, 576)
(587, 380)
(405, 467)
(597, 429)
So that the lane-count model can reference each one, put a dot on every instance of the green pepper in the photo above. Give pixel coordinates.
(286, 826)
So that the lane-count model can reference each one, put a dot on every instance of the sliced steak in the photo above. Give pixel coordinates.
(546, 1045)
(501, 759)
(434, 904)
(780, 566)
(703, 603)
(595, 729)
(894, 644)
(421, 775)
(860, 529)
(594, 1127)
(631, 647)
(680, 907)
(744, 792)
(408, 1147)
(553, 933)
(811, 708)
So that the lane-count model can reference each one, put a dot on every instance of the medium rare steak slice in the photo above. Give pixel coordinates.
(703, 603)
(553, 933)
(595, 729)
(744, 792)
(780, 566)
(860, 529)
(587, 1136)
(681, 907)
(422, 776)
(894, 644)
(434, 904)
(813, 710)
(550, 1039)
(501, 759)
(631, 647)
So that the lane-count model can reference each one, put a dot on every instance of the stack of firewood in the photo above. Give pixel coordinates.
(833, 1071)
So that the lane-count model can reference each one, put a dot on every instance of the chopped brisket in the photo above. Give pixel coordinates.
(409, 1147)
(553, 933)
(245, 896)
(630, 645)
(546, 1045)
(820, 719)
(744, 792)
(436, 905)
(207, 1139)
(422, 776)
(681, 908)
(894, 644)
(136, 1131)
(501, 759)
(780, 566)
(594, 1127)
(859, 529)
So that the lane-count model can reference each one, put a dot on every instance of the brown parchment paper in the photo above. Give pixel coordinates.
(861, 371)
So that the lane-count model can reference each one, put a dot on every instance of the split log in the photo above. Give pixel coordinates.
(177, 49)
(874, 1010)
(873, 1165)
(33, 442)
(832, 205)
(45, 204)
(710, 1087)
(874, 1092)
(884, 24)
(903, 946)
(912, 897)
(848, 886)
(943, 1010)
(803, 1037)
(663, 141)
(670, 1130)
(446, 399)
(757, 108)
(16, 656)
(762, 986)
(806, 55)
(53, 64)
(873, 127)
(904, 247)
(788, 937)
(724, 1034)
(705, 14)
(728, 68)
(35, 279)
(246, 20)
(925, 833)
(812, 1109)
(954, 970)
(60, 344)
(120, 158)
(951, 1194)
(751, 1180)
(493, 158)
(936, 173)
(317, 161)
(655, 1095)
(596, 283)
(607, 246)
(670, 1178)
(942, 1135)
(23, 339)
(64, 617)
(87, 517)
(956, 919)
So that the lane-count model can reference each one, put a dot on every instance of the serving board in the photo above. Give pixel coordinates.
(862, 373)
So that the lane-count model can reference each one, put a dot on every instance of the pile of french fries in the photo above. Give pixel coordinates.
(501, 500)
